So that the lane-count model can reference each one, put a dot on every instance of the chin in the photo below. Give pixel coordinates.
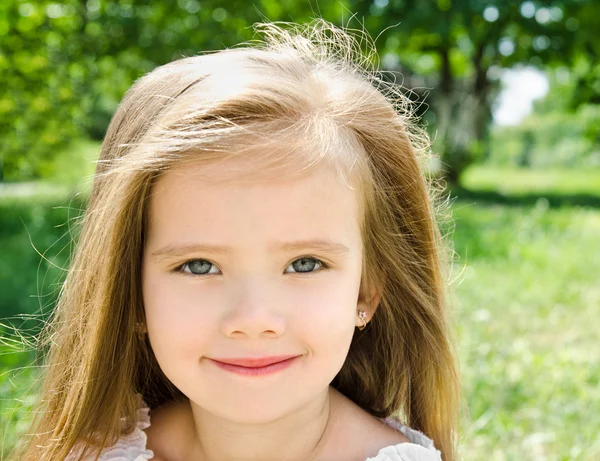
(251, 413)
(259, 407)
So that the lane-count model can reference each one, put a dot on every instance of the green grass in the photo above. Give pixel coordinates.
(34, 221)
(17, 399)
(526, 304)
(515, 181)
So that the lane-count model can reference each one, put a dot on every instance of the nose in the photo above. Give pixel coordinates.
(255, 311)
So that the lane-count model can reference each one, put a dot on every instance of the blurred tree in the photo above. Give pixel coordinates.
(42, 100)
(583, 23)
(562, 131)
(64, 66)
(453, 50)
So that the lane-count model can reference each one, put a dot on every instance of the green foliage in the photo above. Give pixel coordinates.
(37, 223)
(42, 66)
(35, 235)
(74, 165)
(66, 65)
(453, 51)
(562, 131)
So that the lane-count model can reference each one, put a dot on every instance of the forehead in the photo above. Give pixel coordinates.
(220, 201)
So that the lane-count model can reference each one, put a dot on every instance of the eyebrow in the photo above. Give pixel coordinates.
(322, 246)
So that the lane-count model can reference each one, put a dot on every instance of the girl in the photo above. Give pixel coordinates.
(259, 274)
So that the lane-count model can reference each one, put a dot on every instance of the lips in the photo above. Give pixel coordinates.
(255, 362)
(256, 367)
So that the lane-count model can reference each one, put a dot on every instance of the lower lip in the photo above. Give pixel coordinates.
(257, 371)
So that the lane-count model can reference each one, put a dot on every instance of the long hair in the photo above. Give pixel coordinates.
(309, 95)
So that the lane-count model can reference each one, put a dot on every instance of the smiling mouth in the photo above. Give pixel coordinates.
(255, 362)
(256, 366)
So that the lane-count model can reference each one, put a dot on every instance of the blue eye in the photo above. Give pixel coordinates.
(307, 265)
(304, 265)
(197, 267)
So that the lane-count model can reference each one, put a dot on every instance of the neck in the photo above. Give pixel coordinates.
(297, 435)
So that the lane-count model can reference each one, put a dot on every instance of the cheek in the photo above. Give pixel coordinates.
(325, 317)
(176, 320)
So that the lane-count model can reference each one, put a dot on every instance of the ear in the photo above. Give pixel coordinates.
(368, 302)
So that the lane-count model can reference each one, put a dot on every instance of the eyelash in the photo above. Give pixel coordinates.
(179, 269)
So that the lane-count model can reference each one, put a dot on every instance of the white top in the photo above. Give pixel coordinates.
(132, 447)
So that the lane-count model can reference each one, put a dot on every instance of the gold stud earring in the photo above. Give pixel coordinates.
(362, 315)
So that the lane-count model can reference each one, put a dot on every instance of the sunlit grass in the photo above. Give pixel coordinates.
(516, 181)
(527, 309)
(16, 398)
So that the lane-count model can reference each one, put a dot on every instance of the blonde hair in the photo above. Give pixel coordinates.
(314, 91)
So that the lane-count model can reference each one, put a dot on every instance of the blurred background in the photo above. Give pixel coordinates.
(510, 94)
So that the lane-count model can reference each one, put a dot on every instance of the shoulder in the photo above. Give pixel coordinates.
(397, 442)
(169, 430)
(419, 447)
(366, 437)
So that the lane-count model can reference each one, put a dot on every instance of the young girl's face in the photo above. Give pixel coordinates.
(250, 270)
